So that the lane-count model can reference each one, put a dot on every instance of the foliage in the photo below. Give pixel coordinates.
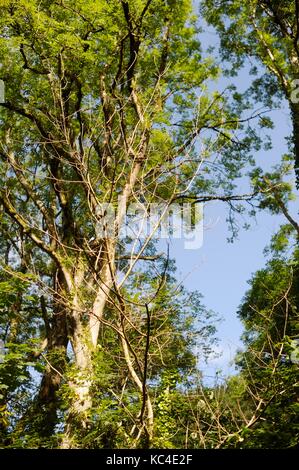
(111, 102)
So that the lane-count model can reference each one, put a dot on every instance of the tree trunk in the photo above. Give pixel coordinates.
(41, 417)
(84, 337)
(47, 400)
(80, 387)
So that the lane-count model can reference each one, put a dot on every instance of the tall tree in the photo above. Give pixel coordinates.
(106, 103)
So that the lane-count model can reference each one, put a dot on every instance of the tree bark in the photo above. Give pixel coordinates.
(84, 337)
(57, 339)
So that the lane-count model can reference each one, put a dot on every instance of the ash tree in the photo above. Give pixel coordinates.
(106, 101)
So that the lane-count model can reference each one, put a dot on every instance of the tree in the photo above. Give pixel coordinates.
(267, 30)
(106, 103)
(258, 407)
(270, 315)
